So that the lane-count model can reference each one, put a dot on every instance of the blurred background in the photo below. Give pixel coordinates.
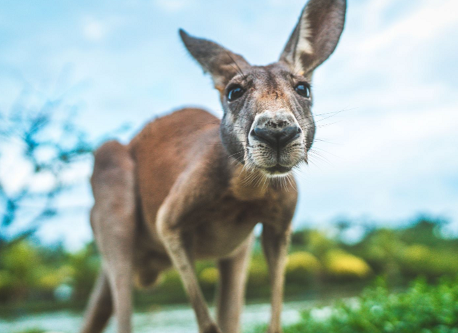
(378, 199)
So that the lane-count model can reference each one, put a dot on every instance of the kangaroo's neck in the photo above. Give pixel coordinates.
(247, 184)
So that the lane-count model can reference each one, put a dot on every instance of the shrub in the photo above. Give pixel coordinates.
(51, 280)
(301, 267)
(170, 280)
(258, 274)
(415, 258)
(422, 308)
(344, 266)
(19, 275)
(317, 243)
(420, 260)
(381, 249)
(209, 276)
(85, 265)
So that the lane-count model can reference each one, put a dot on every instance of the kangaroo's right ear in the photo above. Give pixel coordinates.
(315, 36)
(221, 63)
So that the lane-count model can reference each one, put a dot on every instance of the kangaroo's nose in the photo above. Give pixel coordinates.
(276, 136)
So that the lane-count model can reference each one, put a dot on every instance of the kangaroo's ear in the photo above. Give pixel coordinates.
(221, 63)
(315, 36)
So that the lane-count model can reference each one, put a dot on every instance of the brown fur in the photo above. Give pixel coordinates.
(228, 203)
(190, 186)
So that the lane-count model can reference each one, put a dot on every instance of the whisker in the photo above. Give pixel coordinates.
(237, 66)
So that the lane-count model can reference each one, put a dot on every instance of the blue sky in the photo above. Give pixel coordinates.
(391, 154)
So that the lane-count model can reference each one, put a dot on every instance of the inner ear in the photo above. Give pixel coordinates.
(315, 36)
(221, 63)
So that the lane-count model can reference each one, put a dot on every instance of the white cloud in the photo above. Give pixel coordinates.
(425, 23)
(94, 30)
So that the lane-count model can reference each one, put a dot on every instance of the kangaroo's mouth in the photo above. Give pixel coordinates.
(272, 163)
(275, 163)
(277, 170)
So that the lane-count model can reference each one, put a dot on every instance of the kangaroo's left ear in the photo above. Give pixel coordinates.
(315, 36)
(221, 63)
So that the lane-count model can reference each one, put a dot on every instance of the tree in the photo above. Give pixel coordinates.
(39, 148)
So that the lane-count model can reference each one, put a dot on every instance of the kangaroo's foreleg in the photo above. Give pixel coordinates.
(179, 248)
(177, 231)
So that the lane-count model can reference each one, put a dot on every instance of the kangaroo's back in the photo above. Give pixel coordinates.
(165, 148)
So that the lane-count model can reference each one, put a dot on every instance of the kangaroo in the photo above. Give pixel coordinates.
(190, 186)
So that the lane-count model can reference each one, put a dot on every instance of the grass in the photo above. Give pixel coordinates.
(422, 308)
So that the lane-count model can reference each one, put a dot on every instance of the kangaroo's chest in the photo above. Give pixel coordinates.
(226, 225)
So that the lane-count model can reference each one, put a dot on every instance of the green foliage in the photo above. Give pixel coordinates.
(258, 274)
(403, 254)
(426, 232)
(318, 243)
(422, 308)
(420, 260)
(31, 271)
(317, 262)
(170, 280)
(209, 276)
(341, 265)
(20, 270)
(84, 267)
(302, 267)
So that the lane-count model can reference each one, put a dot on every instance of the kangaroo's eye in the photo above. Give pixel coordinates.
(235, 93)
(303, 89)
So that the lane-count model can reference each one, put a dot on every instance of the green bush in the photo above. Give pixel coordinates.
(170, 280)
(21, 270)
(84, 266)
(418, 259)
(421, 309)
(302, 267)
(318, 243)
(32, 274)
(345, 266)
(381, 250)
(258, 274)
(209, 276)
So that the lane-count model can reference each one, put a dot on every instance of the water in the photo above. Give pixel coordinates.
(170, 319)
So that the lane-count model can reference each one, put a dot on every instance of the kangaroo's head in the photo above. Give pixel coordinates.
(268, 123)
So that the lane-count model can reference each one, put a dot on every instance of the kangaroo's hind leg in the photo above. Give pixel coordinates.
(231, 289)
(100, 306)
(113, 223)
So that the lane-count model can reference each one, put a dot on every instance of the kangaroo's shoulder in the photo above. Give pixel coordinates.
(176, 125)
(186, 117)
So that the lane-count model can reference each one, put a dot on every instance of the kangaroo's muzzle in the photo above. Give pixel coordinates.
(276, 141)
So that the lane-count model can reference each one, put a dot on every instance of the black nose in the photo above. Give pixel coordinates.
(276, 137)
